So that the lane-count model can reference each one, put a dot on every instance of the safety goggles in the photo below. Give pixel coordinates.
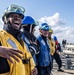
(36, 23)
(15, 8)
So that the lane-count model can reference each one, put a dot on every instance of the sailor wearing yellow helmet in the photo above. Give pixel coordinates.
(52, 46)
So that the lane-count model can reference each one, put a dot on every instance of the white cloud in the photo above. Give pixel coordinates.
(60, 29)
(52, 20)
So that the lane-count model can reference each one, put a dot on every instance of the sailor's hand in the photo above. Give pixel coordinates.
(10, 52)
(34, 71)
(33, 42)
(58, 52)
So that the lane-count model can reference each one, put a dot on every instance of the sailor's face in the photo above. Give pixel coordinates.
(50, 34)
(15, 21)
(44, 33)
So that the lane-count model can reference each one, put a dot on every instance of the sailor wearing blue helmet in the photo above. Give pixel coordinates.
(44, 57)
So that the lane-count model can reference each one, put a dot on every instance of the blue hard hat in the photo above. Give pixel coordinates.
(55, 38)
(44, 26)
(28, 20)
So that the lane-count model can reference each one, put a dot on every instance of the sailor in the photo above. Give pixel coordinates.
(44, 57)
(10, 37)
(57, 54)
(28, 25)
(52, 46)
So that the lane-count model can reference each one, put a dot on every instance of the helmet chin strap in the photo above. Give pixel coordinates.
(31, 28)
(5, 20)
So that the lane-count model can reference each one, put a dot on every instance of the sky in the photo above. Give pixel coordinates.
(59, 14)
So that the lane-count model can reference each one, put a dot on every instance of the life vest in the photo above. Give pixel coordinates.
(52, 46)
(33, 48)
(44, 57)
(18, 68)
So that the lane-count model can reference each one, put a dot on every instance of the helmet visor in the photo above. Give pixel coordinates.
(46, 28)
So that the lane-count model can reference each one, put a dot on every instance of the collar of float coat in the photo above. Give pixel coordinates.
(16, 33)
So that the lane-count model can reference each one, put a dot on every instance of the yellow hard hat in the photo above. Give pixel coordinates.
(51, 31)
